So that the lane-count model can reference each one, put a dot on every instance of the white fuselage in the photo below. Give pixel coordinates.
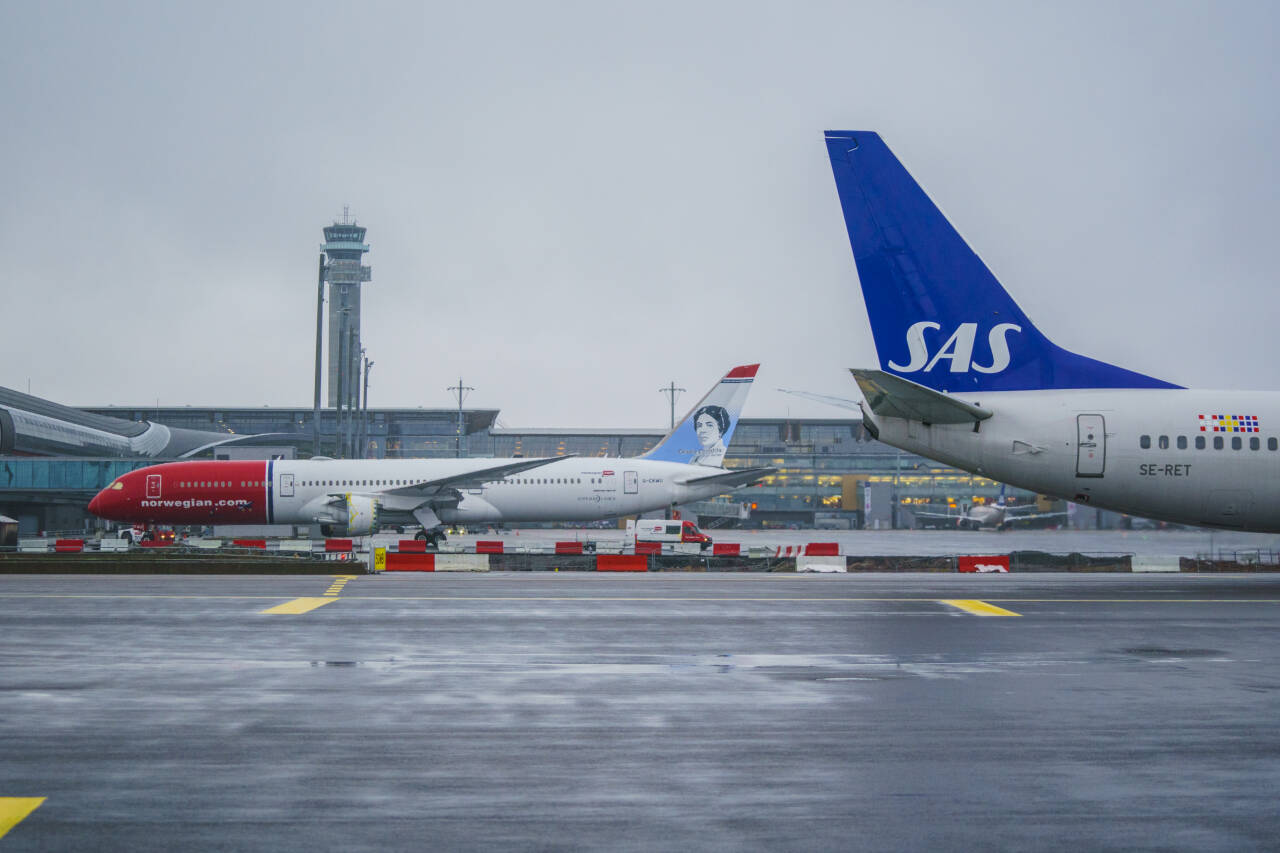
(573, 489)
(1087, 446)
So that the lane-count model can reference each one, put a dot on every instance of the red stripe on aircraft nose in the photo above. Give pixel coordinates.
(205, 492)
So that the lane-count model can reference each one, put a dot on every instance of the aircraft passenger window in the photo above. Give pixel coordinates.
(1236, 442)
(1182, 442)
(1145, 442)
(1163, 442)
(1271, 444)
(1199, 442)
(1217, 442)
(1255, 443)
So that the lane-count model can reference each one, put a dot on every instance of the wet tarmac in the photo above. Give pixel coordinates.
(651, 712)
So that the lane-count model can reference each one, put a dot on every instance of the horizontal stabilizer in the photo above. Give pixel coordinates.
(894, 397)
(734, 478)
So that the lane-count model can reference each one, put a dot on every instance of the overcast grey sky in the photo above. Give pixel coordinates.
(571, 204)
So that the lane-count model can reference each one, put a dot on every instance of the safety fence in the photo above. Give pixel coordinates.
(412, 555)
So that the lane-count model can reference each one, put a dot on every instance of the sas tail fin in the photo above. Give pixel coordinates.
(704, 434)
(938, 315)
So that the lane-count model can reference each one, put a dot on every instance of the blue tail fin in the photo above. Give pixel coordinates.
(704, 434)
(938, 315)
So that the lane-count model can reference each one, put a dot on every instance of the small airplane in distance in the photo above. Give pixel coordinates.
(967, 379)
(997, 516)
(356, 497)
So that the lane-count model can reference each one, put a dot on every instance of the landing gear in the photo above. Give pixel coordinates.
(433, 538)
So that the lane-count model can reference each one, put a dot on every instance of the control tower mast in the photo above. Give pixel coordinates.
(345, 247)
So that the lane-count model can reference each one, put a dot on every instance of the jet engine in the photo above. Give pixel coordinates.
(362, 515)
(351, 515)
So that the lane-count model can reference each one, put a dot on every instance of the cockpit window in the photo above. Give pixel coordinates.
(117, 485)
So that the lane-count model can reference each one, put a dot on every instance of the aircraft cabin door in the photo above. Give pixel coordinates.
(153, 486)
(1091, 445)
(630, 483)
(286, 485)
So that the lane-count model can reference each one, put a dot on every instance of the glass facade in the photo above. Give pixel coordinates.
(62, 475)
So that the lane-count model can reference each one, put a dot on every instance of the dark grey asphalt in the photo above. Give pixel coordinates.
(572, 711)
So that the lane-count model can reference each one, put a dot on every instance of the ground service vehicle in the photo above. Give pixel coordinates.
(669, 532)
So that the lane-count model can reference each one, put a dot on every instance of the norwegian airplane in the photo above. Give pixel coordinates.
(967, 379)
(356, 497)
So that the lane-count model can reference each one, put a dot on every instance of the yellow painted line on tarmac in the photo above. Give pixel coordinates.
(980, 608)
(338, 583)
(14, 809)
(298, 605)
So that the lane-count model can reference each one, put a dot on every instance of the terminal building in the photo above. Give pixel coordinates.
(831, 473)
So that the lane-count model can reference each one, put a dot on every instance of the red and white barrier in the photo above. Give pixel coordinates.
(983, 565)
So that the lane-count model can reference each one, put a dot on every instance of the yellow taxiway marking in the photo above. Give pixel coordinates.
(299, 605)
(981, 608)
(339, 582)
(14, 809)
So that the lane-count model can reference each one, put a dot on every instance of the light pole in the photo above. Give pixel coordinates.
(315, 415)
(339, 446)
(673, 391)
(364, 420)
(462, 392)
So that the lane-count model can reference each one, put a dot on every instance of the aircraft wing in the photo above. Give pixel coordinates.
(1010, 517)
(894, 397)
(473, 479)
(942, 515)
(732, 478)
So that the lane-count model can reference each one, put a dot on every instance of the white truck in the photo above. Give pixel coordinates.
(667, 532)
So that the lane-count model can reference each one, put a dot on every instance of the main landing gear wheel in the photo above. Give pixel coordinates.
(432, 538)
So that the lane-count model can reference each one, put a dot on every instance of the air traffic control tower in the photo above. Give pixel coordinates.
(344, 247)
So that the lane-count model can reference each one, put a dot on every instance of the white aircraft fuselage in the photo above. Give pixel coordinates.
(1087, 446)
(358, 494)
